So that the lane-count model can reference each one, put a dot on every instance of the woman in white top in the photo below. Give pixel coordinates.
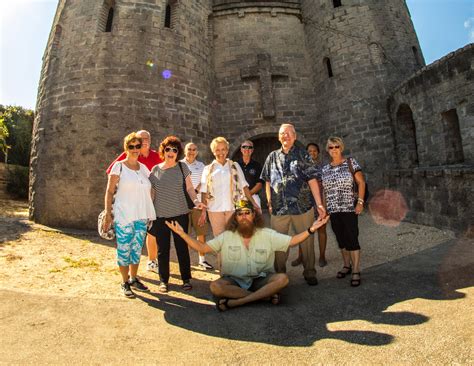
(222, 185)
(132, 208)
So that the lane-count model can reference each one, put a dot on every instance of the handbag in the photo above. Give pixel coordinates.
(355, 186)
(109, 234)
(189, 201)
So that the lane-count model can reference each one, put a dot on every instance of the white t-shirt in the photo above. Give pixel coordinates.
(196, 168)
(221, 185)
(132, 199)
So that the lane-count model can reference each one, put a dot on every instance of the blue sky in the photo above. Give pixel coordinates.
(442, 26)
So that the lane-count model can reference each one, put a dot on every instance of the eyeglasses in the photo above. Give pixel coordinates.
(333, 147)
(135, 147)
(246, 147)
(173, 149)
(244, 213)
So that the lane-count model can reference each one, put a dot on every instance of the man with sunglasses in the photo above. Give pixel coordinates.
(248, 253)
(252, 170)
(290, 179)
(149, 158)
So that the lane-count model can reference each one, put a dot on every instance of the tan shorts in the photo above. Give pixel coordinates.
(193, 223)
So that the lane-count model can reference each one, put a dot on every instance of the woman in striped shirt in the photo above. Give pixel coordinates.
(168, 180)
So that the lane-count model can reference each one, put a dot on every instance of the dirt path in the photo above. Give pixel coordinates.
(61, 304)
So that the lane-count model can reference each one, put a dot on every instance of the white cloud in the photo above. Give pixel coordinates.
(469, 25)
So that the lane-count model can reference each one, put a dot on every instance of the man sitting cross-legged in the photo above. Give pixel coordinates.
(248, 252)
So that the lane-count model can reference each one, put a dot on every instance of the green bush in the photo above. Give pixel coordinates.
(16, 124)
(18, 181)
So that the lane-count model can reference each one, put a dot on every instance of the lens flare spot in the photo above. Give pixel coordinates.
(150, 63)
(166, 74)
(388, 207)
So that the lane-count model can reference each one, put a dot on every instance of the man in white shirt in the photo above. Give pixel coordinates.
(196, 167)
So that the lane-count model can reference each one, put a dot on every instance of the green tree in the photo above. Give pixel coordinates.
(17, 125)
(3, 137)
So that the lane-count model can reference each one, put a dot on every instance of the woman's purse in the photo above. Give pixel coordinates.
(189, 201)
(109, 234)
(355, 186)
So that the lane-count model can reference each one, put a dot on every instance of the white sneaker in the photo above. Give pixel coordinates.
(152, 266)
(205, 265)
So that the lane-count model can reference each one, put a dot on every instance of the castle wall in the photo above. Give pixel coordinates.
(369, 46)
(438, 185)
(97, 88)
(244, 35)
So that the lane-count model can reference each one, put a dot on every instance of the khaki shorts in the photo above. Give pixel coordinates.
(193, 223)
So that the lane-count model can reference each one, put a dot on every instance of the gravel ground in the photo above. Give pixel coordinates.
(61, 304)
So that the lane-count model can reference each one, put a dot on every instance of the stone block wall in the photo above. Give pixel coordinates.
(433, 128)
(437, 196)
(369, 45)
(428, 100)
(98, 86)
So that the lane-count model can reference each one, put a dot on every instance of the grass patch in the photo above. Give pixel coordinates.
(80, 263)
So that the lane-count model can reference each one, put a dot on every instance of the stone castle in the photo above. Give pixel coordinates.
(203, 68)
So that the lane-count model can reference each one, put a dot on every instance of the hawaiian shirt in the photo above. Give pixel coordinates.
(288, 175)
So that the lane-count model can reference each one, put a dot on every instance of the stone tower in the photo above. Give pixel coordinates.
(202, 68)
(112, 67)
(360, 50)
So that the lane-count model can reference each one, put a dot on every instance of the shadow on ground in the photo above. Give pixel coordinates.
(306, 312)
(13, 228)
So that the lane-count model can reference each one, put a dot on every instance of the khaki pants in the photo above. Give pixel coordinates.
(218, 221)
(300, 223)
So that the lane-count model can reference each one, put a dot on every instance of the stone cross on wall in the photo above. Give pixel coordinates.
(265, 71)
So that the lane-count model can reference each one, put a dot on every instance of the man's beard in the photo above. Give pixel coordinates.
(246, 229)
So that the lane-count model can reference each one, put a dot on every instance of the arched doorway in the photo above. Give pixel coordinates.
(405, 138)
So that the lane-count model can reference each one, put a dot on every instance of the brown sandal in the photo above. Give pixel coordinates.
(355, 281)
(275, 299)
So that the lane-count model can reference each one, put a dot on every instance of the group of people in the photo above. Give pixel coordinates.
(167, 193)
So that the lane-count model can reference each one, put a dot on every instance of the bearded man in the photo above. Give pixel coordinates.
(248, 254)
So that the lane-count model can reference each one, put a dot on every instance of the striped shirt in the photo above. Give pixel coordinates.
(170, 200)
(196, 168)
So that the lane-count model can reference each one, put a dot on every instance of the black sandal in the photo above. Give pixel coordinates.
(221, 304)
(355, 281)
(341, 274)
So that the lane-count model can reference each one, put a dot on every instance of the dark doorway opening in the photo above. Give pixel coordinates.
(452, 137)
(405, 138)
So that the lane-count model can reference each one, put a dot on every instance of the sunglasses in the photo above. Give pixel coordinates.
(244, 213)
(173, 149)
(333, 147)
(246, 147)
(135, 147)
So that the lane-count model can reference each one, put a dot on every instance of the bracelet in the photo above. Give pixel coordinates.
(309, 231)
(320, 206)
(360, 200)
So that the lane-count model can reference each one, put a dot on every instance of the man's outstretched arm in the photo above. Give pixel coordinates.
(193, 243)
(298, 238)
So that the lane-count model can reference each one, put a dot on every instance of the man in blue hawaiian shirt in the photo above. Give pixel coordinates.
(290, 180)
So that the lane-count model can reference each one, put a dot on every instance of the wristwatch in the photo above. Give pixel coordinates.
(310, 232)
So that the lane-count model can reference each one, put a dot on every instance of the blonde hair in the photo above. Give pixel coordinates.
(130, 138)
(335, 140)
(218, 140)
